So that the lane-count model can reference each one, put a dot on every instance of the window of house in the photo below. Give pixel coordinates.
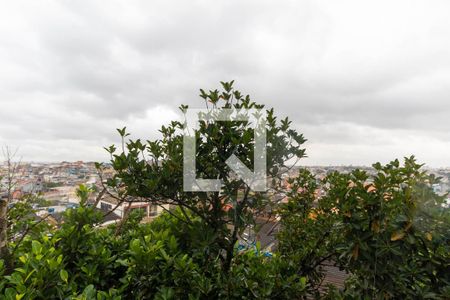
(105, 206)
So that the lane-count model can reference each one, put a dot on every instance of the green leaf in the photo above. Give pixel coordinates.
(64, 275)
(36, 247)
(19, 296)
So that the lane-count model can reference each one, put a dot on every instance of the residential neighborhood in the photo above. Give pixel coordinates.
(56, 183)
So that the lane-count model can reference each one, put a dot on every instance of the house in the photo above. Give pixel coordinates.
(150, 210)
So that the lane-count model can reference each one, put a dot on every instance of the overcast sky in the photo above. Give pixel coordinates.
(365, 81)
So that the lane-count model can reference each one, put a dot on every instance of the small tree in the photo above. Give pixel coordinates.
(395, 232)
(8, 188)
(389, 231)
(153, 171)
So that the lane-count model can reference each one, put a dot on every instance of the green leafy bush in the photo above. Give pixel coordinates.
(389, 231)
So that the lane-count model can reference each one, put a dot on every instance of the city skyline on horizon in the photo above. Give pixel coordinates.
(297, 165)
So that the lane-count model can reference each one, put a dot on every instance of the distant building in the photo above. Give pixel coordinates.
(33, 186)
(150, 210)
(437, 188)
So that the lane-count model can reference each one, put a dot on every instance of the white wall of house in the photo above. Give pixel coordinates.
(150, 210)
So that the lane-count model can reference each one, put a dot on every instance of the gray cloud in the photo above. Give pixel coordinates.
(363, 81)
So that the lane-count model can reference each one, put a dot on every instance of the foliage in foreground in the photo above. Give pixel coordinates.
(389, 232)
(148, 261)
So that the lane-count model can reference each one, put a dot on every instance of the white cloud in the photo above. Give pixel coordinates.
(71, 72)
